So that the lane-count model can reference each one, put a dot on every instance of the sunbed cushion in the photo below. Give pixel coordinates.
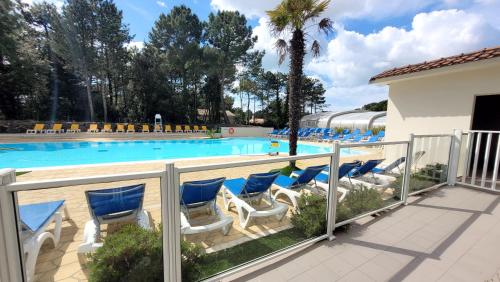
(116, 200)
(255, 184)
(309, 173)
(235, 185)
(34, 216)
(285, 181)
(365, 168)
(347, 167)
(260, 182)
(202, 191)
(322, 177)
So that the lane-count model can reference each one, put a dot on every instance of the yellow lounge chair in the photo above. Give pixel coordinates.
(196, 129)
(130, 128)
(93, 128)
(120, 128)
(187, 129)
(75, 127)
(145, 128)
(204, 129)
(168, 129)
(157, 128)
(107, 128)
(37, 129)
(56, 128)
(178, 129)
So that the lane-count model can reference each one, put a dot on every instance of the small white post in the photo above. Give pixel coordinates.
(456, 142)
(406, 179)
(332, 190)
(170, 215)
(10, 258)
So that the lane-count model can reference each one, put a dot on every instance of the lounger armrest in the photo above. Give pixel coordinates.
(241, 203)
(185, 225)
(224, 222)
(143, 220)
(90, 237)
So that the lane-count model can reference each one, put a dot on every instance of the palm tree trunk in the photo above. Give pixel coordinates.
(297, 52)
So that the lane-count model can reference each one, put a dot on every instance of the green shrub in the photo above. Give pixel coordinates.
(421, 179)
(362, 199)
(342, 213)
(136, 254)
(310, 215)
(377, 129)
(192, 256)
(338, 130)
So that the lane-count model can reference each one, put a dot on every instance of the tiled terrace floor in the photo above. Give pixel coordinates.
(452, 234)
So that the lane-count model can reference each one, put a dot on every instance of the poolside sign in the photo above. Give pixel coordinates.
(274, 148)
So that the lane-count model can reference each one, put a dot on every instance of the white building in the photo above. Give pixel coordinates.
(435, 97)
(356, 119)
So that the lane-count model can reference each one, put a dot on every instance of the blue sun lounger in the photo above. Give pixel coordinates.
(372, 139)
(122, 204)
(390, 167)
(289, 185)
(273, 133)
(344, 170)
(200, 195)
(35, 218)
(365, 168)
(243, 192)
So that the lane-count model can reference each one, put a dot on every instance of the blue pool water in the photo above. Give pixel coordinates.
(34, 155)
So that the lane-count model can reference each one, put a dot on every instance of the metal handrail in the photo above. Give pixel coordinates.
(74, 181)
(196, 168)
(373, 144)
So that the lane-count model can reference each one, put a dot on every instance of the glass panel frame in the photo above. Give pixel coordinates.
(271, 255)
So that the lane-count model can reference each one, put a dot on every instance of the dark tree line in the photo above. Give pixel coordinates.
(376, 107)
(75, 64)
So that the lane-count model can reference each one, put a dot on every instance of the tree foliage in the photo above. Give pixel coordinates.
(376, 107)
(76, 64)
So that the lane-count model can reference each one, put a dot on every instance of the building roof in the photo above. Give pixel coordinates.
(347, 119)
(486, 53)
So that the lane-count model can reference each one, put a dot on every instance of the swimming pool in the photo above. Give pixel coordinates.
(49, 154)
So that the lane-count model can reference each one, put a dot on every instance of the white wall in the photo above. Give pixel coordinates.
(246, 131)
(437, 104)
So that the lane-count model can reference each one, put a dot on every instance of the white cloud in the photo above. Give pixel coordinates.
(337, 10)
(58, 3)
(137, 44)
(252, 9)
(161, 4)
(352, 58)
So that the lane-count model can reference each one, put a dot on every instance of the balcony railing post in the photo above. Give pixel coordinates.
(456, 142)
(332, 190)
(171, 223)
(10, 259)
(407, 172)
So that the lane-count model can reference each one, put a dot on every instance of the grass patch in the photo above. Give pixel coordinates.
(19, 173)
(219, 261)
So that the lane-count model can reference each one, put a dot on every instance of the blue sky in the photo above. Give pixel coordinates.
(370, 36)
(141, 15)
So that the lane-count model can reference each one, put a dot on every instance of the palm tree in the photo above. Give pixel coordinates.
(291, 17)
